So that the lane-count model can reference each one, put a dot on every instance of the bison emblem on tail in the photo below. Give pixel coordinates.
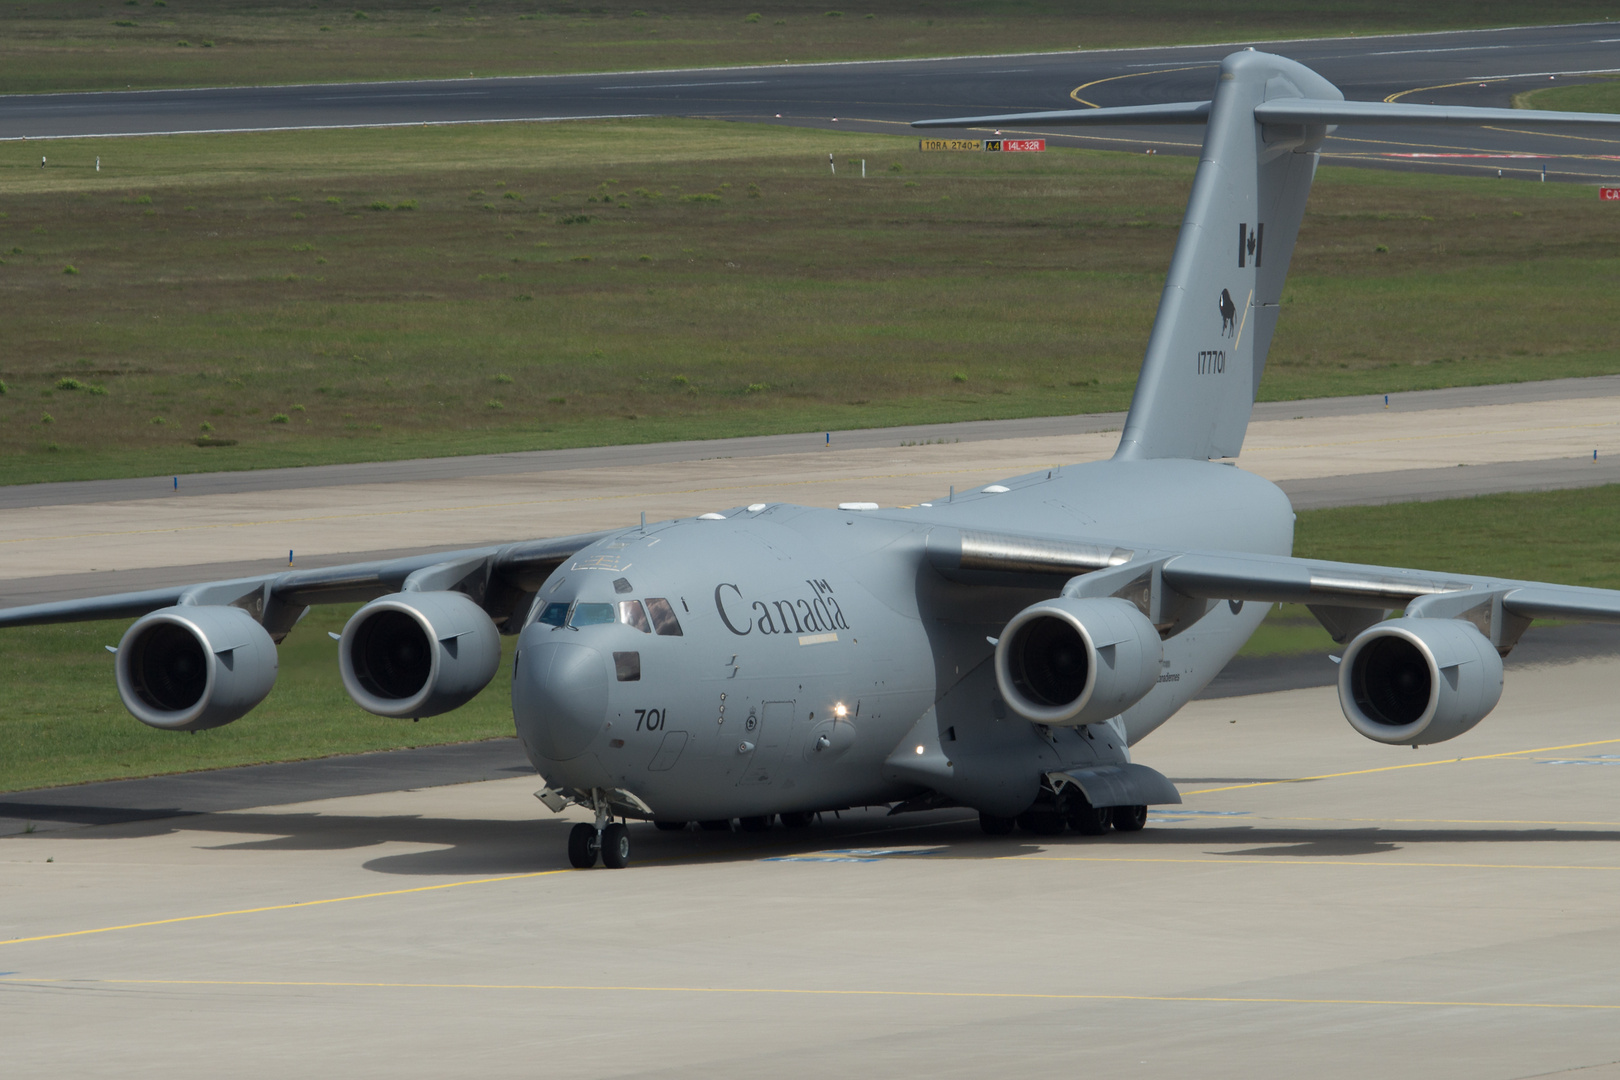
(1228, 314)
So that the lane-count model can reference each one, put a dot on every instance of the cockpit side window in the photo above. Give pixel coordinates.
(555, 614)
(630, 614)
(663, 617)
(591, 614)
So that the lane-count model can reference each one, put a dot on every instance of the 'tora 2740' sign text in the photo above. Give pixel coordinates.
(1003, 146)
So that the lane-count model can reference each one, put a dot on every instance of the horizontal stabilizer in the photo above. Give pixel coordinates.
(1181, 112)
(1308, 111)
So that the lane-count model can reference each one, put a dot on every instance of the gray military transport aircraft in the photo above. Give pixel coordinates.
(1002, 649)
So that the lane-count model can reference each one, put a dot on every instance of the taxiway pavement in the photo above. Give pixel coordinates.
(1318, 904)
(63, 540)
(1467, 67)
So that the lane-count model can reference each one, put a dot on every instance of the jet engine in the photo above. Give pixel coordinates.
(193, 668)
(1072, 661)
(418, 654)
(1412, 681)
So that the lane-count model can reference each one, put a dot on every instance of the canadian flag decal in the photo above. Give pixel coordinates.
(1249, 243)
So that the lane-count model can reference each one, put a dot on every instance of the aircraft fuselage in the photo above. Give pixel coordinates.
(809, 662)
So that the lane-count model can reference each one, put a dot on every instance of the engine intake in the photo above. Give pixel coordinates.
(1414, 681)
(418, 654)
(194, 668)
(1075, 661)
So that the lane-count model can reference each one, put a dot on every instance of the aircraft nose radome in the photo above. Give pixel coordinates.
(561, 697)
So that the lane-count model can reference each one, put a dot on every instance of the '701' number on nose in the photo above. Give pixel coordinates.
(649, 719)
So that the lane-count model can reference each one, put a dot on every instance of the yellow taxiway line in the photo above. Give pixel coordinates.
(979, 995)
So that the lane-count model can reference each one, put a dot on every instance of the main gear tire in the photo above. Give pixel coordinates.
(1088, 820)
(1130, 818)
(996, 826)
(583, 846)
(616, 846)
(1042, 822)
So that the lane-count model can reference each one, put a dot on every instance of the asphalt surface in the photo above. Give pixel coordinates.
(1483, 68)
(279, 784)
(1319, 905)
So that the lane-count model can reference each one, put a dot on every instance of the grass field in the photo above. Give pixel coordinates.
(295, 298)
(1600, 96)
(50, 45)
(61, 721)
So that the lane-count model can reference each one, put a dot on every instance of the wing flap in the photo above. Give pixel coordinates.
(1563, 602)
(1283, 580)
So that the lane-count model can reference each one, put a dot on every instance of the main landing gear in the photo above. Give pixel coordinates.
(1084, 819)
(607, 839)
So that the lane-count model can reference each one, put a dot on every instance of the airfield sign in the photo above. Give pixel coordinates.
(1609, 194)
(993, 146)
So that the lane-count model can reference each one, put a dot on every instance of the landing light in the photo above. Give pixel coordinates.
(840, 710)
(919, 750)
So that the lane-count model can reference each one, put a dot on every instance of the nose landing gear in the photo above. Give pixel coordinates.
(607, 839)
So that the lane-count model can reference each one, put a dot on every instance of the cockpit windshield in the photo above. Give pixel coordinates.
(592, 615)
(658, 617)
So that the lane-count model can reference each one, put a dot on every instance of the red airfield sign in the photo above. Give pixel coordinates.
(1609, 194)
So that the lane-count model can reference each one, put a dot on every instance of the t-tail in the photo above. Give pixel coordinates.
(1265, 126)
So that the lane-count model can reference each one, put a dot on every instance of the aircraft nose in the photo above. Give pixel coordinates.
(560, 697)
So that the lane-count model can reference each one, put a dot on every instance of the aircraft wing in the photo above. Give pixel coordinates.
(1335, 591)
(497, 576)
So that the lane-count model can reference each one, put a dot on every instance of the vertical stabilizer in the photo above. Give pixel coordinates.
(1210, 338)
(1219, 308)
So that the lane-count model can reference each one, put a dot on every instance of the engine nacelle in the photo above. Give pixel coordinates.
(418, 654)
(1074, 661)
(1413, 681)
(193, 668)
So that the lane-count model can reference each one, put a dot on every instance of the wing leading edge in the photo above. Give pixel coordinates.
(498, 577)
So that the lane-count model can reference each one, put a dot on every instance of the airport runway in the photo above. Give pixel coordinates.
(1472, 68)
(1445, 912)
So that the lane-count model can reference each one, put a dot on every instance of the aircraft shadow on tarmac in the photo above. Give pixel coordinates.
(463, 846)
